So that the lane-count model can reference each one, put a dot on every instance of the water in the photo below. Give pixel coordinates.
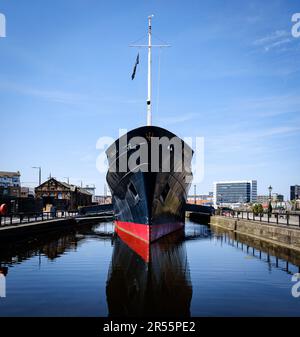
(199, 272)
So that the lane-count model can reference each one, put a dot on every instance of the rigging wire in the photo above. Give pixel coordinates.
(158, 82)
(139, 39)
(161, 40)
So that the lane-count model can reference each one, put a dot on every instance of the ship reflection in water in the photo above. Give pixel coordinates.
(201, 271)
(149, 280)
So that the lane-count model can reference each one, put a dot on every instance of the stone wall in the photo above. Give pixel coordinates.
(287, 236)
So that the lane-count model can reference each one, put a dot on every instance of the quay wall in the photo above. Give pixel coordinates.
(286, 236)
(203, 218)
(23, 230)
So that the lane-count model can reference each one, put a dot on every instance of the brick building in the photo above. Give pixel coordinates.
(62, 195)
(10, 185)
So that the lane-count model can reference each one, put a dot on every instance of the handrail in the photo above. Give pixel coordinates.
(29, 217)
(288, 219)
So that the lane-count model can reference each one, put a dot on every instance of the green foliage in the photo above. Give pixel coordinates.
(257, 209)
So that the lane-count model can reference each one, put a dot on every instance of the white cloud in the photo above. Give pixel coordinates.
(268, 106)
(278, 34)
(50, 95)
(273, 40)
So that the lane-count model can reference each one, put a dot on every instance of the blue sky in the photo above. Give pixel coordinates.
(231, 76)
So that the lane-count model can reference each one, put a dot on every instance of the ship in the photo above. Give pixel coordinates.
(149, 175)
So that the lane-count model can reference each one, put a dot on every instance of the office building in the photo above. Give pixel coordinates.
(235, 192)
(295, 192)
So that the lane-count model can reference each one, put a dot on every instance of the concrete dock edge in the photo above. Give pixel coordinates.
(285, 236)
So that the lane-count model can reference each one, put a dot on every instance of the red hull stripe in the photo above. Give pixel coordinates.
(148, 233)
(140, 247)
(140, 231)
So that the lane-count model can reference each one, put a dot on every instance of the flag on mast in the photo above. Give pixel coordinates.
(136, 63)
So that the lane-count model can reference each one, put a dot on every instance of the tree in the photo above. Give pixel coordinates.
(257, 209)
(254, 209)
(270, 208)
(260, 209)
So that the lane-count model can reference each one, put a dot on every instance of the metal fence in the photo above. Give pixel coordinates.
(288, 219)
(21, 218)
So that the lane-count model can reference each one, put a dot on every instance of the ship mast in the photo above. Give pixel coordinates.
(150, 46)
(149, 103)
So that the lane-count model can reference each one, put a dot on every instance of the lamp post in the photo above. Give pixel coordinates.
(270, 199)
(270, 188)
(40, 173)
(195, 190)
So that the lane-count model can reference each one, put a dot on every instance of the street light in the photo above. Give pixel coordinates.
(270, 191)
(40, 173)
(195, 190)
(270, 199)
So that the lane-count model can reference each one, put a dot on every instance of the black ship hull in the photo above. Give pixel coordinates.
(149, 198)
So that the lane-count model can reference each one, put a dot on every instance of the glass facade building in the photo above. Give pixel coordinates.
(295, 192)
(232, 192)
